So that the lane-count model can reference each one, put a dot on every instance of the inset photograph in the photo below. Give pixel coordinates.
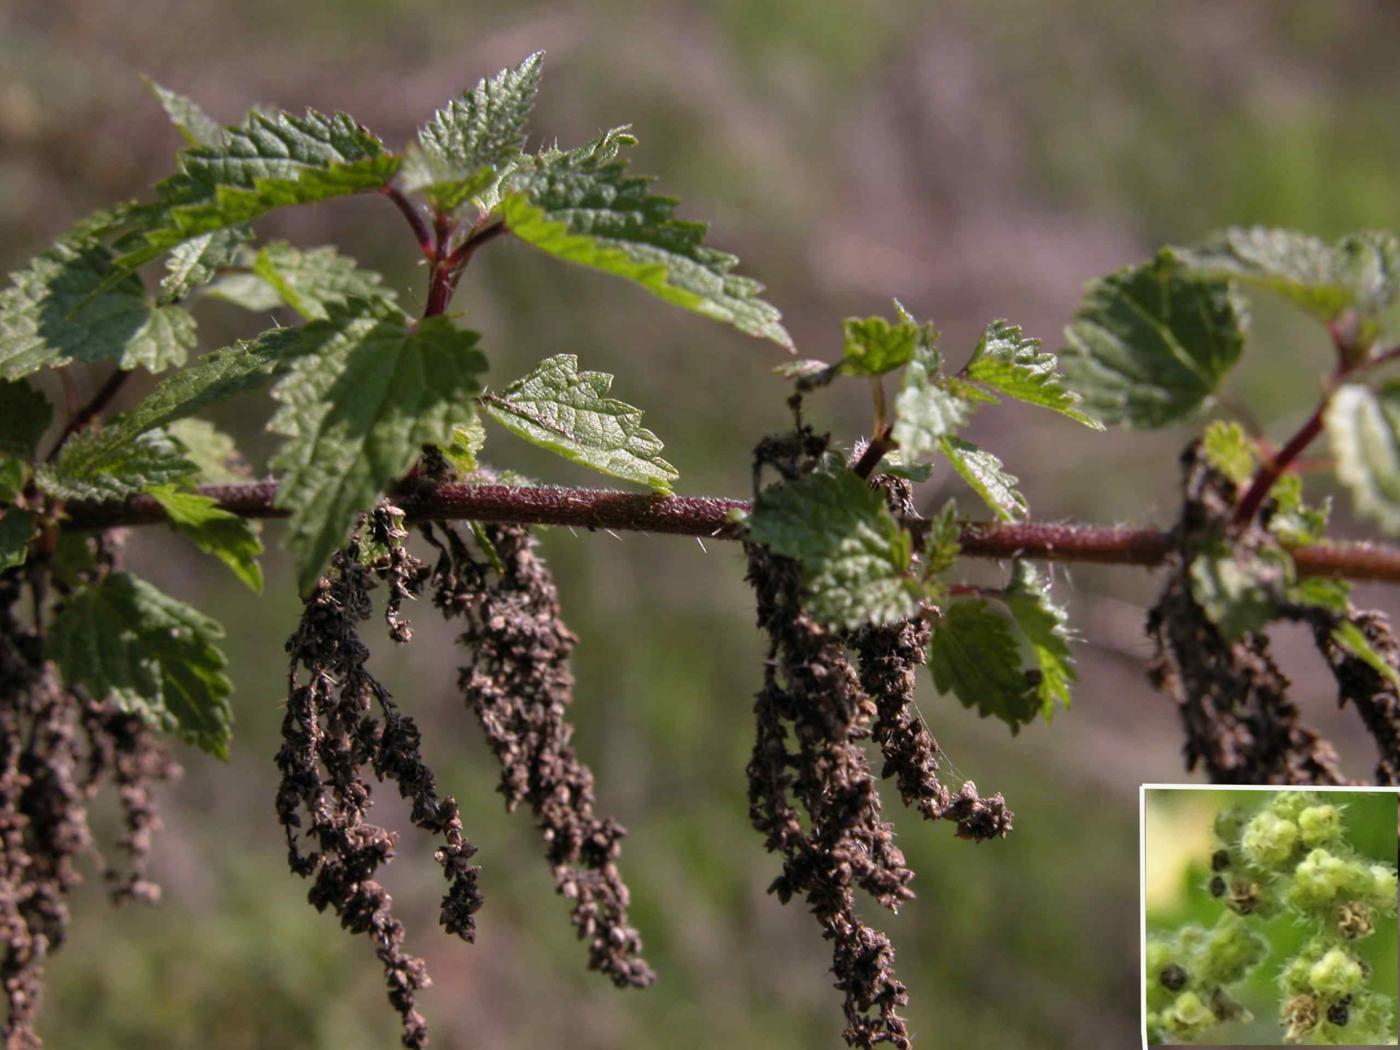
(1269, 916)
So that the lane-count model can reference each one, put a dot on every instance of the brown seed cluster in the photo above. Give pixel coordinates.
(1374, 695)
(340, 721)
(811, 791)
(1239, 720)
(57, 750)
(519, 683)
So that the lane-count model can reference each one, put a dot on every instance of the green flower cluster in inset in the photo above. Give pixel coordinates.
(1289, 856)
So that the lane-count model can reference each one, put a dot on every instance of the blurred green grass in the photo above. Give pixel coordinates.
(977, 160)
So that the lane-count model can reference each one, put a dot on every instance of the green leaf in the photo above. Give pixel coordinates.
(873, 346)
(1292, 521)
(215, 377)
(17, 529)
(1240, 591)
(1229, 450)
(855, 558)
(1333, 596)
(1302, 269)
(467, 440)
(156, 656)
(1013, 364)
(196, 262)
(568, 412)
(942, 543)
(584, 207)
(215, 531)
(1323, 591)
(268, 161)
(924, 411)
(1045, 627)
(1360, 272)
(975, 656)
(25, 413)
(988, 478)
(1353, 639)
(311, 281)
(91, 467)
(213, 453)
(246, 290)
(1363, 428)
(463, 149)
(1150, 344)
(14, 473)
(358, 413)
(72, 304)
(198, 128)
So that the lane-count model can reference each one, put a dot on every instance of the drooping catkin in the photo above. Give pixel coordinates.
(341, 721)
(519, 682)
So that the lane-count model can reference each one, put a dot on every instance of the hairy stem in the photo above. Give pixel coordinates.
(713, 518)
(1270, 471)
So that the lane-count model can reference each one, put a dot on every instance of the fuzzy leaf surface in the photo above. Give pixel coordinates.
(568, 412)
(1240, 591)
(926, 412)
(197, 127)
(1360, 272)
(989, 479)
(1363, 428)
(91, 467)
(467, 442)
(226, 536)
(1228, 449)
(1045, 626)
(974, 654)
(583, 206)
(855, 558)
(313, 280)
(196, 262)
(71, 303)
(1013, 364)
(1150, 344)
(874, 346)
(358, 412)
(270, 160)
(468, 142)
(157, 656)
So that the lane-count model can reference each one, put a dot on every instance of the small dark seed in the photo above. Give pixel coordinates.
(1173, 978)
(1338, 1014)
(1220, 860)
(1217, 887)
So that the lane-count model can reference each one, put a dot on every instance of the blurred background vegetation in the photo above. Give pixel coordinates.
(1179, 844)
(975, 159)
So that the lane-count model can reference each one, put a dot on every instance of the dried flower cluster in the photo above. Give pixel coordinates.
(811, 791)
(340, 721)
(1233, 699)
(1374, 695)
(57, 750)
(519, 684)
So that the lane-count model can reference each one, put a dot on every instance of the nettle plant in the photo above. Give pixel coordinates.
(381, 418)
(1290, 855)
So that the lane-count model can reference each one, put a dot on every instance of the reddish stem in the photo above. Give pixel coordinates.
(1269, 472)
(712, 518)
